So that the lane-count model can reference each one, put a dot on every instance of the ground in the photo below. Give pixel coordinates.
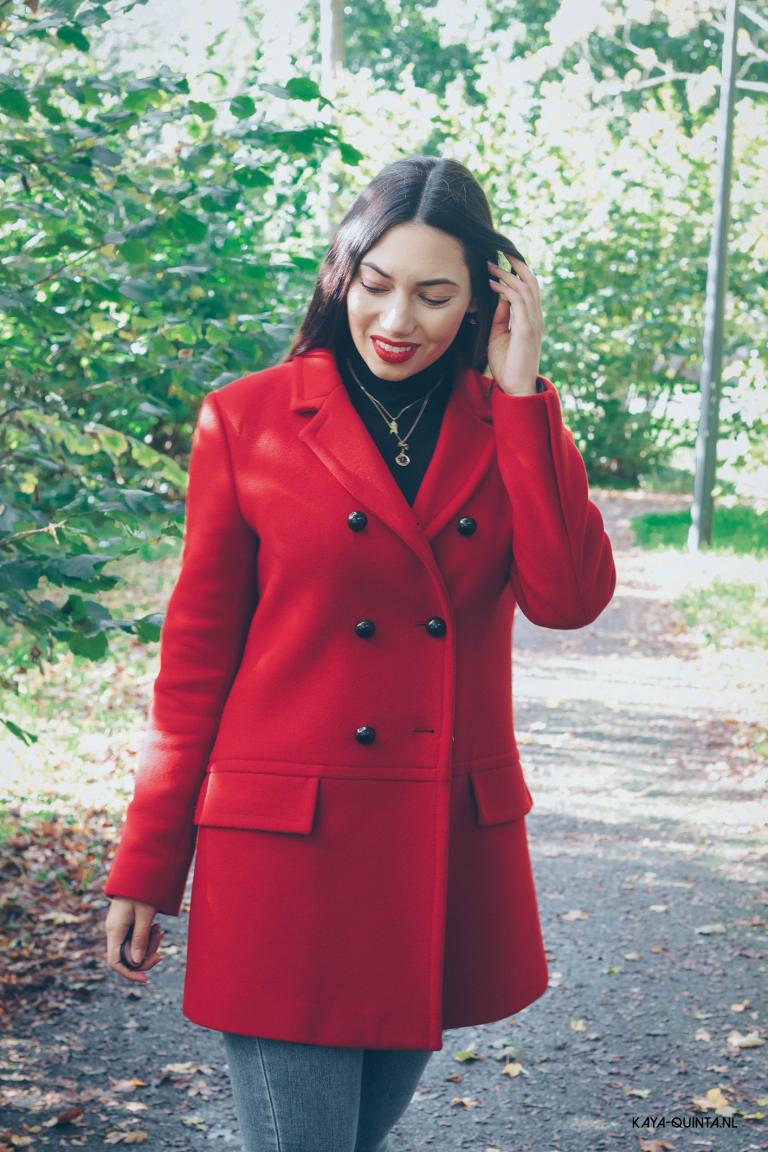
(648, 839)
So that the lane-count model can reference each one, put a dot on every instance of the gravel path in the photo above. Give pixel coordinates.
(649, 824)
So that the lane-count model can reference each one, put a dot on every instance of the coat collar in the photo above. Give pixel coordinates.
(337, 435)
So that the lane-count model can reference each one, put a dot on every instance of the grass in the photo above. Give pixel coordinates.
(727, 613)
(740, 529)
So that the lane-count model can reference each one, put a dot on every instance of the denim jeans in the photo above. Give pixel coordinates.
(306, 1098)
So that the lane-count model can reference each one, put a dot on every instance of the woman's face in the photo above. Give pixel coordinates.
(407, 299)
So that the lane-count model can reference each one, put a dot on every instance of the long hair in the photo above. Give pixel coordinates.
(418, 189)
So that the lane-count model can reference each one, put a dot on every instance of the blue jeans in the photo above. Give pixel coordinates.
(306, 1098)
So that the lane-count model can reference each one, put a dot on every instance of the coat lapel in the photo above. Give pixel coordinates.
(338, 437)
(465, 448)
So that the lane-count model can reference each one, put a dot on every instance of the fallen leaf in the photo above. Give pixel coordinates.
(644, 1093)
(466, 1101)
(135, 1106)
(657, 948)
(114, 1137)
(194, 1121)
(575, 914)
(455, 1078)
(122, 1085)
(717, 1068)
(739, 1007)
(134, 1137)
(753, 1115)
(464, 1056)
(612, 970)
(21, 1141)
(714, 1099)
(631, 956)
(578, 1026)
(514, 1069)
(701, 1015)
(658, 907)
(711, 929)
(702, 1034)
(762, 1100)
(654, 1145)
(593, 1036)
(751, 1040)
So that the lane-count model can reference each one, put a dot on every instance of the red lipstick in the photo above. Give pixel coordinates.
(393, 351)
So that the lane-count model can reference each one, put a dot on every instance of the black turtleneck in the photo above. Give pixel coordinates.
(394, 395)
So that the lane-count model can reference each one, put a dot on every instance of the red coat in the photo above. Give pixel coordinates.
(345, 893)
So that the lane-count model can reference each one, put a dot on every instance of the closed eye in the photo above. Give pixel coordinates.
(372, 290)
(434, 303)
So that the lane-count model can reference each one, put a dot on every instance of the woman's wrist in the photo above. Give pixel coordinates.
(522, 390)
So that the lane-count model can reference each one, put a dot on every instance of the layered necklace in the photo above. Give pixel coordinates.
(402, 457)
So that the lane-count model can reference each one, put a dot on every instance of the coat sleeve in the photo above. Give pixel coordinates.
(562, 573)
(202, 642)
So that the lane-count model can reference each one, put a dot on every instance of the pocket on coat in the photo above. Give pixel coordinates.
(257, 801)
(501, 794)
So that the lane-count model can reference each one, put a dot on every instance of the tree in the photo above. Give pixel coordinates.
(154, 247)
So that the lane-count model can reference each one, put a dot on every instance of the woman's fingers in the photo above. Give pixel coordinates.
(132, 916)
(525, 274)
(516, 298)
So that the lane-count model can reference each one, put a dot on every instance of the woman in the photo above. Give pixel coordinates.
(333, 712)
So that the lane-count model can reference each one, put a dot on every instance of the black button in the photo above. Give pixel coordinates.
(467, 526)
(436, 626)
(365, 628)
(365, 735)
(357, 521)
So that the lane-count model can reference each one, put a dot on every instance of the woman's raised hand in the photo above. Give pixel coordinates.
(514, 346)
(123, 915)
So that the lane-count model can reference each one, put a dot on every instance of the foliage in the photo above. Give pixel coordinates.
(592, 128)
(727, 613)
(740, 529)
(152, 251)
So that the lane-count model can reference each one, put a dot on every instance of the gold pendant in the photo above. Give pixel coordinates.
(393, 427)
(402, 459)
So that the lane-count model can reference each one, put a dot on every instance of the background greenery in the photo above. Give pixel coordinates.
(160, 233)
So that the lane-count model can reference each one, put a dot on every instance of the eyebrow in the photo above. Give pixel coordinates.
(420, 284)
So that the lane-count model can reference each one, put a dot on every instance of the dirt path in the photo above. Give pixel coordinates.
(649, 822)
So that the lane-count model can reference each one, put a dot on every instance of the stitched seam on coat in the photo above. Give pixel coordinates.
(562, 512)
(269, 1095)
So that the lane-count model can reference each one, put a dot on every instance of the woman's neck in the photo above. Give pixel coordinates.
(414, 385)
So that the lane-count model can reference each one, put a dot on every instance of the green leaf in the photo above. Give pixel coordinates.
(134, 252)
(72, 569)
(14, 103)
(138, 290)
(8, 216)
(197, 157)
(252, 177)
(302, 88)
(217, 198)
(183, 333)
(19, 575)
(105, 156)
(148, 627)
(91, 647)
(27, 738)
(349, 155)
(204, 111)
(242, 107)
(71, 35)
(216, 335)
(187, 227)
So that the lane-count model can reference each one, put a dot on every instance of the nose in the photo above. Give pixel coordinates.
(397, 320)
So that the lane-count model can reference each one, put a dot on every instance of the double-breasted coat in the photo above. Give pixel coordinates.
(362, 876)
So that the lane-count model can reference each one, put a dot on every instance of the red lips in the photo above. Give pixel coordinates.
(393, 351)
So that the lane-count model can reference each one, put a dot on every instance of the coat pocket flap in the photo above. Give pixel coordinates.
(501, 794)
(257, 801)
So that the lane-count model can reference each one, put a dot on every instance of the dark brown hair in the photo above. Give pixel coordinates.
(420, 189)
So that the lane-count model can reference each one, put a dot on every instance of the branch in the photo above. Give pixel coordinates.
(753, 16)
(69, 264)
(49, 528)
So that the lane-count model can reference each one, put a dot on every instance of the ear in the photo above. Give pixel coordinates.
(471, 307)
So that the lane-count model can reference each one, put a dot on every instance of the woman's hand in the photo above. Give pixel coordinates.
(514, 348)
(124, 913)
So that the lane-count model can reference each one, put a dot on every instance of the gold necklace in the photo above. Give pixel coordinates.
(391, 421)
